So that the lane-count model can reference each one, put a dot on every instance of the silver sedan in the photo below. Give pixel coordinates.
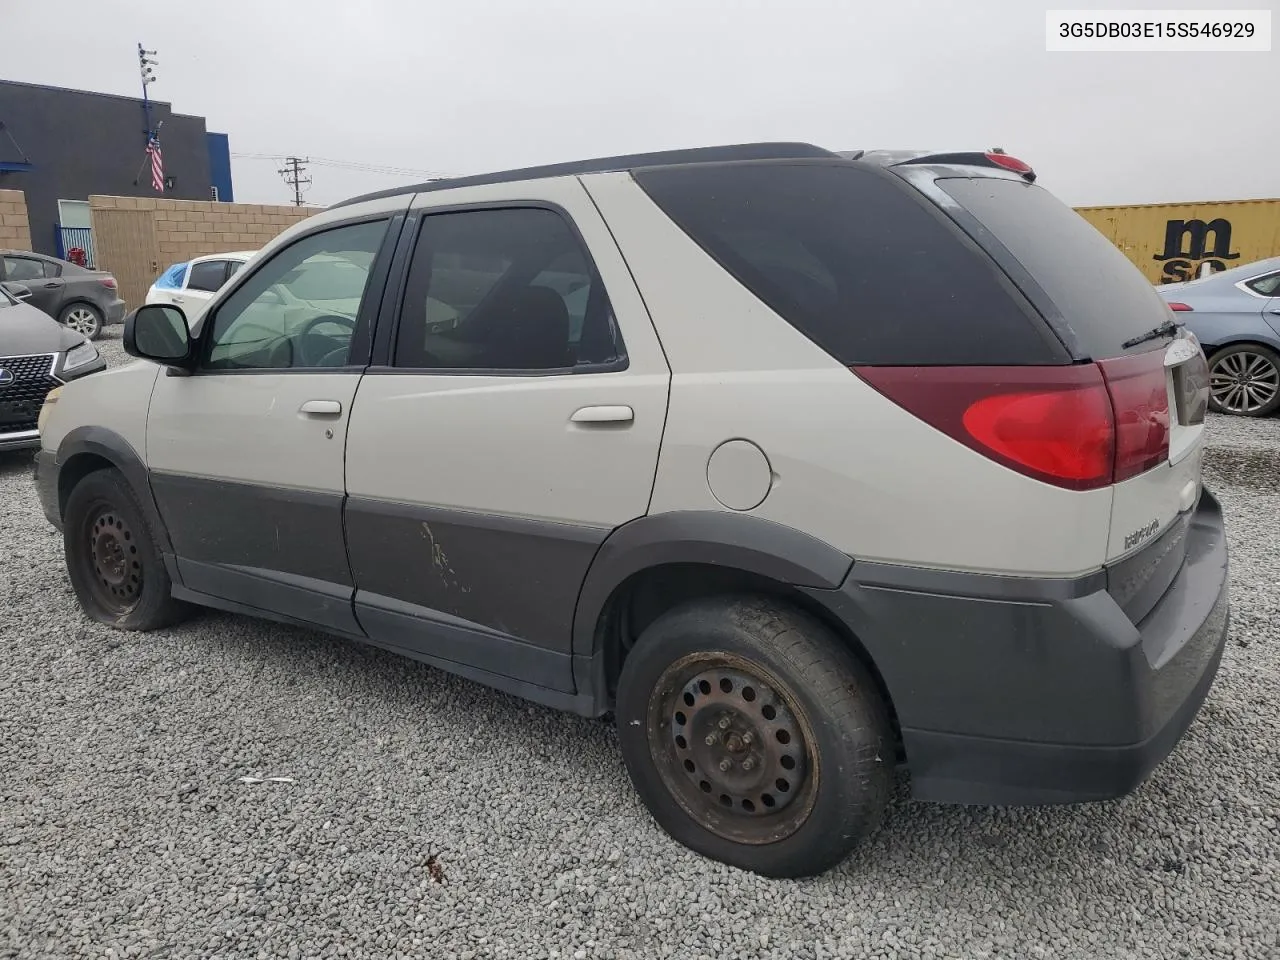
(1236, 316)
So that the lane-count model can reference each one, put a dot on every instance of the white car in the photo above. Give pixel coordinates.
(193, 283)
(802, 466)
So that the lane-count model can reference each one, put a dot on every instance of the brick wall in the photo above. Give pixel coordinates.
(193, 228)
(137, 238)
(15, 233)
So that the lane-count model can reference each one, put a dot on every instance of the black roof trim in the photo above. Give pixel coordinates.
(721, 154)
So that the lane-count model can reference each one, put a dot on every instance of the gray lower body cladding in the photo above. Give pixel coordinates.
(1013, 691)
(1006, 690)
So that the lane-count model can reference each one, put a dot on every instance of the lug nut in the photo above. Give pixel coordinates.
(725, 764)
(747, 738)
(711, 739)
(748, 764)
(724, 723)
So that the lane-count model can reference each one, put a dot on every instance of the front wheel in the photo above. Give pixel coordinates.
(115, 567)
(754, 736)
(1245, 380)
(83, 319)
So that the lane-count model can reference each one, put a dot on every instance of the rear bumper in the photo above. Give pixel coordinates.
(1013, 691)
(115, 311)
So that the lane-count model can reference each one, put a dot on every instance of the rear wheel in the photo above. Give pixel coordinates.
(83, 319)
(112, 560)
(754, 736)
(1245, 380)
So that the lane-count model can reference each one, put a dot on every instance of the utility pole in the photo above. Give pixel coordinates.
(292, 171)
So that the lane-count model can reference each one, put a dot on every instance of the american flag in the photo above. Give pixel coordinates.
(157, 165)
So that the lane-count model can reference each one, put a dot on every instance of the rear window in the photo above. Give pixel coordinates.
(856, 260)
(1104, 298)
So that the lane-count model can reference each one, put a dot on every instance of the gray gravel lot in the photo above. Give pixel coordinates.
(125, 830)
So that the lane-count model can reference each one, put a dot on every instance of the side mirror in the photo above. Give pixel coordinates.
(158, 331)
(20, 291)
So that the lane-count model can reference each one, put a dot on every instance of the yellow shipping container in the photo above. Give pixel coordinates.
(1179, 241)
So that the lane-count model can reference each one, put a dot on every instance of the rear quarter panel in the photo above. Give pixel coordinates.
(847, 465)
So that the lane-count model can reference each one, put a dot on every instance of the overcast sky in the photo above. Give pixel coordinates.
(467, 86)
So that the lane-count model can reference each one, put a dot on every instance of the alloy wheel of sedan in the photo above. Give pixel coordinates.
(1244, 382)
(83, 321)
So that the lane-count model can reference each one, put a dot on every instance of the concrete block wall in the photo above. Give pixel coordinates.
(15, 231)
(193, 228)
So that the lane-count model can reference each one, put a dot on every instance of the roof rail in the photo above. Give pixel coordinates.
(717, 154)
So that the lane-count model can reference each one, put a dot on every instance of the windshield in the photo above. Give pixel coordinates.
(1104, 298)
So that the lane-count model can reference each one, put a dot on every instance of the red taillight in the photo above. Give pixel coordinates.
(1179, 307)
(1010, 163)
(1140, 396)
(1051, 423)
(108, 282)
(1081, 427)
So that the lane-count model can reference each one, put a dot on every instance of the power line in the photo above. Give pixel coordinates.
(292, 172)
(356, 165)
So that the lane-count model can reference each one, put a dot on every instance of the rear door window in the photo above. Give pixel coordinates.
(856, 260)
(1103, 298)
(207, 275)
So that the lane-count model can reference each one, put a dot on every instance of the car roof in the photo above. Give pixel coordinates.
(226, 255)
(718, 154)
(694, 155)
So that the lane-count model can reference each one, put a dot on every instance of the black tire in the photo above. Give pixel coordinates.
(756, 655)
(112, 559)
(84, 318)
(1244, 380)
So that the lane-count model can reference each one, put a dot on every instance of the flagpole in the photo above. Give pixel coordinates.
(145, 65)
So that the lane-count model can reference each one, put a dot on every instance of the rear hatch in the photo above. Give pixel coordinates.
(1107, 313)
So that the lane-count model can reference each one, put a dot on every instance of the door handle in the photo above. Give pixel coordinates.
(321, 408)
(604, 414)
(177, 299)
(54, 285)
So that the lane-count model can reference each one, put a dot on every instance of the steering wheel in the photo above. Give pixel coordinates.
(306, 357)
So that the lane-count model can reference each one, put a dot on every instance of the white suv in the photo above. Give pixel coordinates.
(801, 464)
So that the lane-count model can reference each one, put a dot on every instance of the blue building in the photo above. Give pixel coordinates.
(60, 146)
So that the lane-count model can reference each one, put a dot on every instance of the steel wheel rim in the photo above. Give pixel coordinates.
(733, 748)
(82, 321)
(1244, 382)
(113, 563)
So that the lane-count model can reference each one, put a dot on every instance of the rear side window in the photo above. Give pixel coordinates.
(1268, 286)
(207, 275)
(856, 261)
(1104, 298)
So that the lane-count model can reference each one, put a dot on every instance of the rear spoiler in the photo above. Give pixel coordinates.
(993, 158)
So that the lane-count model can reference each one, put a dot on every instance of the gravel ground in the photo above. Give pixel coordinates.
(425, 816)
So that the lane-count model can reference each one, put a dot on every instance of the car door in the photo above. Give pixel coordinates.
(40, 278)
(246, 452)
(509, 426)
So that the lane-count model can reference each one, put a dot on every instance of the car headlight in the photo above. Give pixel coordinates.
(79, 356)
(49, 400)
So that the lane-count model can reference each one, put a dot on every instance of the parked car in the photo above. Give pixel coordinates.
(1236, 315)
(82, 299)
(191, 284)
(36, 356)
(799, 465)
